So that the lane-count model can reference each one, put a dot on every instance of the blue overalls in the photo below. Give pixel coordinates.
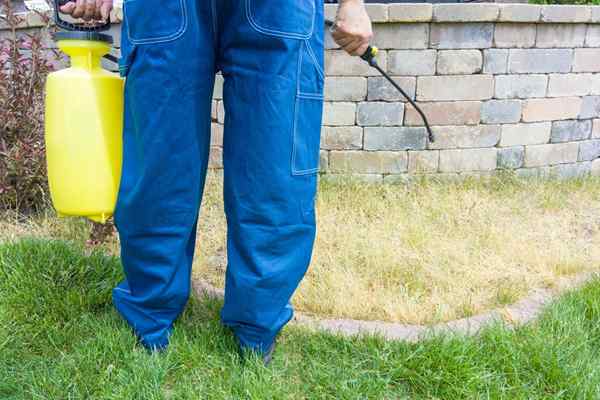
(270, 53)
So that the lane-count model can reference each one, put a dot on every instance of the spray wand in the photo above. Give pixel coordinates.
(369, 57)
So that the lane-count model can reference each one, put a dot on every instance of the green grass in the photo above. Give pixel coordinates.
(61, 339)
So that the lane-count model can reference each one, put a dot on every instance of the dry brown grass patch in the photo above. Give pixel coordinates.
(433, 251)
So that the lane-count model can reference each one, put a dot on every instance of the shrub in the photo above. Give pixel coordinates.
(24, 65)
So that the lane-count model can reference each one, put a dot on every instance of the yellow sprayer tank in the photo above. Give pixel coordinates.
(84, 116)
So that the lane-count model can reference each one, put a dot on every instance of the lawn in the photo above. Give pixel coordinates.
(61, 339)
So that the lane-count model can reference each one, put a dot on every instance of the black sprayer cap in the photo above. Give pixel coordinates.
(83, 35)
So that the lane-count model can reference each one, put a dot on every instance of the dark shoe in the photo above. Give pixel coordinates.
(266, 357)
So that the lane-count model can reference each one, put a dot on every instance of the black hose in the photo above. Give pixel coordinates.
(407, 97)
(369, 57)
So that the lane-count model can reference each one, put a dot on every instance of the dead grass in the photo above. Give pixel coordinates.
(421, 253)
(433, 251)
(46, 225)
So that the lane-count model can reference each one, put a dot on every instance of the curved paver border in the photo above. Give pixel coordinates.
(519, 313)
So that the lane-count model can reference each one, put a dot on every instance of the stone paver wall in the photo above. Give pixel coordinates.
(505, 86)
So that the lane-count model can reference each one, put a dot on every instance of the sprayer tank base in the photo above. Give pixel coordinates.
(100, 217)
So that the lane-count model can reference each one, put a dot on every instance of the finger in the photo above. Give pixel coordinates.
(340, 26)
(340, 30)
(344, 41)
(351, 47)
(340, 34)
(362, 49)
(337, 34)
(98, 10)
(105, 10)
(79, 9)
(90, 10)
(67, 8)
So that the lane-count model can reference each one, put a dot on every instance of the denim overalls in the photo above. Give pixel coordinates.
(270, 53)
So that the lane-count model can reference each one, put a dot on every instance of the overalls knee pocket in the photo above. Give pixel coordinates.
(308, 110)
(294, 20)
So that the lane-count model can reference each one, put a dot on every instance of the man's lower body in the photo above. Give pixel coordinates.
(270, 53)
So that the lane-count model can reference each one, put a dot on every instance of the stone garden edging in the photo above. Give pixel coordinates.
(519, 313)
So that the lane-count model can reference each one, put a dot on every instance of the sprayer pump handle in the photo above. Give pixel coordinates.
(76, 27)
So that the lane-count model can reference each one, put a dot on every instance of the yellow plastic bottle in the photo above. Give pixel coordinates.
(84, 114)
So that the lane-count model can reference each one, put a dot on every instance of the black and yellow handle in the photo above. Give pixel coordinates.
(370, 54)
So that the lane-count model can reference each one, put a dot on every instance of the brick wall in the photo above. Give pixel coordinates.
(506, 86)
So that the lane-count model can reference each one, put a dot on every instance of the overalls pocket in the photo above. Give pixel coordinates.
(308, 112)
(291, 19)
(307, 135)
(154, 21)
